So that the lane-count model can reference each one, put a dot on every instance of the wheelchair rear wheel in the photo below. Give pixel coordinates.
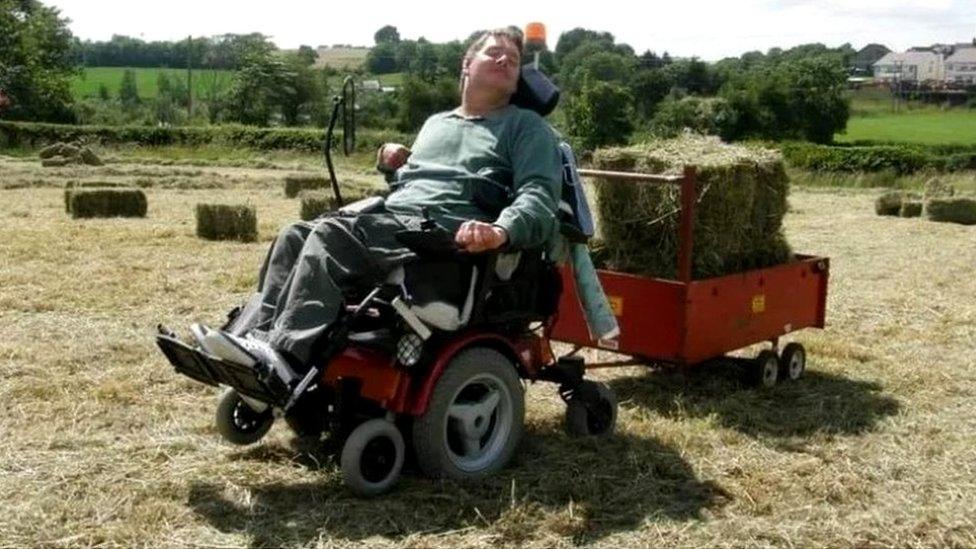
(475, 418)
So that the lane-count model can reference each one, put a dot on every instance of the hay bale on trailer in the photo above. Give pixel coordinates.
(105, 202)
(296, 183)
(227, 222)
(738, 216)
(952, 210)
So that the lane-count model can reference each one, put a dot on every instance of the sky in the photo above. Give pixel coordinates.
(683, 28)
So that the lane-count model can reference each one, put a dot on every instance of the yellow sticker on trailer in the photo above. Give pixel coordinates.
(616, 305)
(758, 304)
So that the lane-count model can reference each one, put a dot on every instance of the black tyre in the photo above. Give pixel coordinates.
(793, 362)
(764, 370)
(474, 420)
(372, 457)
(597, 418)
(238, 423)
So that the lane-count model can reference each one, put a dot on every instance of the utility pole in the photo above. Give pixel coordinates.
(189, 76)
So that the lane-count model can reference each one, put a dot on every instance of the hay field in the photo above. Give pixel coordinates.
(104, 445)
(86, 83)
(929, 126)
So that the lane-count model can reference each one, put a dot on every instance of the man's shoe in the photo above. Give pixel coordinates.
(231, 348)
(201, 334)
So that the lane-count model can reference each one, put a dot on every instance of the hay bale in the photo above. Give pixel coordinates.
(738, 217)
(889, 203)
(952, 210)
(96, 202)
(50, 151)
(315, 203)
(70, 186)
(297, 183)
(937, 188)
(227, 222)
(910, 208)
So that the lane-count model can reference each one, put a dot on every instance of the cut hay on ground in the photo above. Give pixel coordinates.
(952, 210)
(738, 217)
(112, 202)
(227, 222)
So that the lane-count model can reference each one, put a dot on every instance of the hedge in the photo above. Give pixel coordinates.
(901, 158)
(37, 134)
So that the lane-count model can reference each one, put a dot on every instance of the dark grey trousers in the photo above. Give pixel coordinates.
(312, 266)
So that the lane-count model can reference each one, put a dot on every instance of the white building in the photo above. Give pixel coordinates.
(961, 66)
(910, 66)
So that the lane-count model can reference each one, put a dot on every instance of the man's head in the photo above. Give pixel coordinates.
(492, 62)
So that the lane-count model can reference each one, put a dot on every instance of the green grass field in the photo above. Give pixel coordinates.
(87, 82)
(920, 126)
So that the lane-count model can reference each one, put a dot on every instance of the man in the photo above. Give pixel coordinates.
(487, 171)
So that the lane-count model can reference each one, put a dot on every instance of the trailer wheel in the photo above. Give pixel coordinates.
(372, 457)
(764, 370)
(597, 417)
(238, 423)
(793, 362)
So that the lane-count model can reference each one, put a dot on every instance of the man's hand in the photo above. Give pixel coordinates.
(476, 236)
(391, 156)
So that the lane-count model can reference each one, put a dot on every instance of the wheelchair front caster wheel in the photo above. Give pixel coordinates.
(372, 457)
(592, 411)
(238, 422)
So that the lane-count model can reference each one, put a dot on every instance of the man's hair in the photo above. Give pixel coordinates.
(512, 34)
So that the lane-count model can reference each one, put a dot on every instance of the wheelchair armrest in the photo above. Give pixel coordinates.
(372, 204)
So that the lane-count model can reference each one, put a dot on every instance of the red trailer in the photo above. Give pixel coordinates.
(686, 322)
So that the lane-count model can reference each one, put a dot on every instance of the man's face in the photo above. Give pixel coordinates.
(495, 66)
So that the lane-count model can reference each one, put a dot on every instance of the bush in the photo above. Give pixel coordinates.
(854, 159)
(227, 222)
(599, 115)
(952, 210)
(83, 203)
(30, 134)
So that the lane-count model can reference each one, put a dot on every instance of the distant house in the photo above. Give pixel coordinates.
(911, 66)
(866, 57)
(961, 66)
(371, 85)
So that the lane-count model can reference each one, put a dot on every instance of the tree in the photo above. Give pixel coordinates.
(387, 35)
(307, 55)
(419, 99)
(35, 62)
(649, 87)
(600, 114)
(382, 58)
(128, 92)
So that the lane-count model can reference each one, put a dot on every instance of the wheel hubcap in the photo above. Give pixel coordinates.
(478, 423)
(796, 365)
(378, 458)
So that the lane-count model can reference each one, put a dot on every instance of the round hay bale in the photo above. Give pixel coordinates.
(741, 203)
(56, 161)
(889, 203)
(51, 150)
(952, 210)
(227, 222)
(296, 183)
(315, 203)
(910, 208)
(90, 158)
(96, 202)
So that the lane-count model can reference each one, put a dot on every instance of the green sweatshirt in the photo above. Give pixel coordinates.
(504, 168)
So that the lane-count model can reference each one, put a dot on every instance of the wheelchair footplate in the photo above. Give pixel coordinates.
(205, 368)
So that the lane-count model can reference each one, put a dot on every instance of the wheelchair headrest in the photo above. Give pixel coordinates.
(535, 91)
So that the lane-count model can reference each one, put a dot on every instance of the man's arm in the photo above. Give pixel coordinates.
(537, 176)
